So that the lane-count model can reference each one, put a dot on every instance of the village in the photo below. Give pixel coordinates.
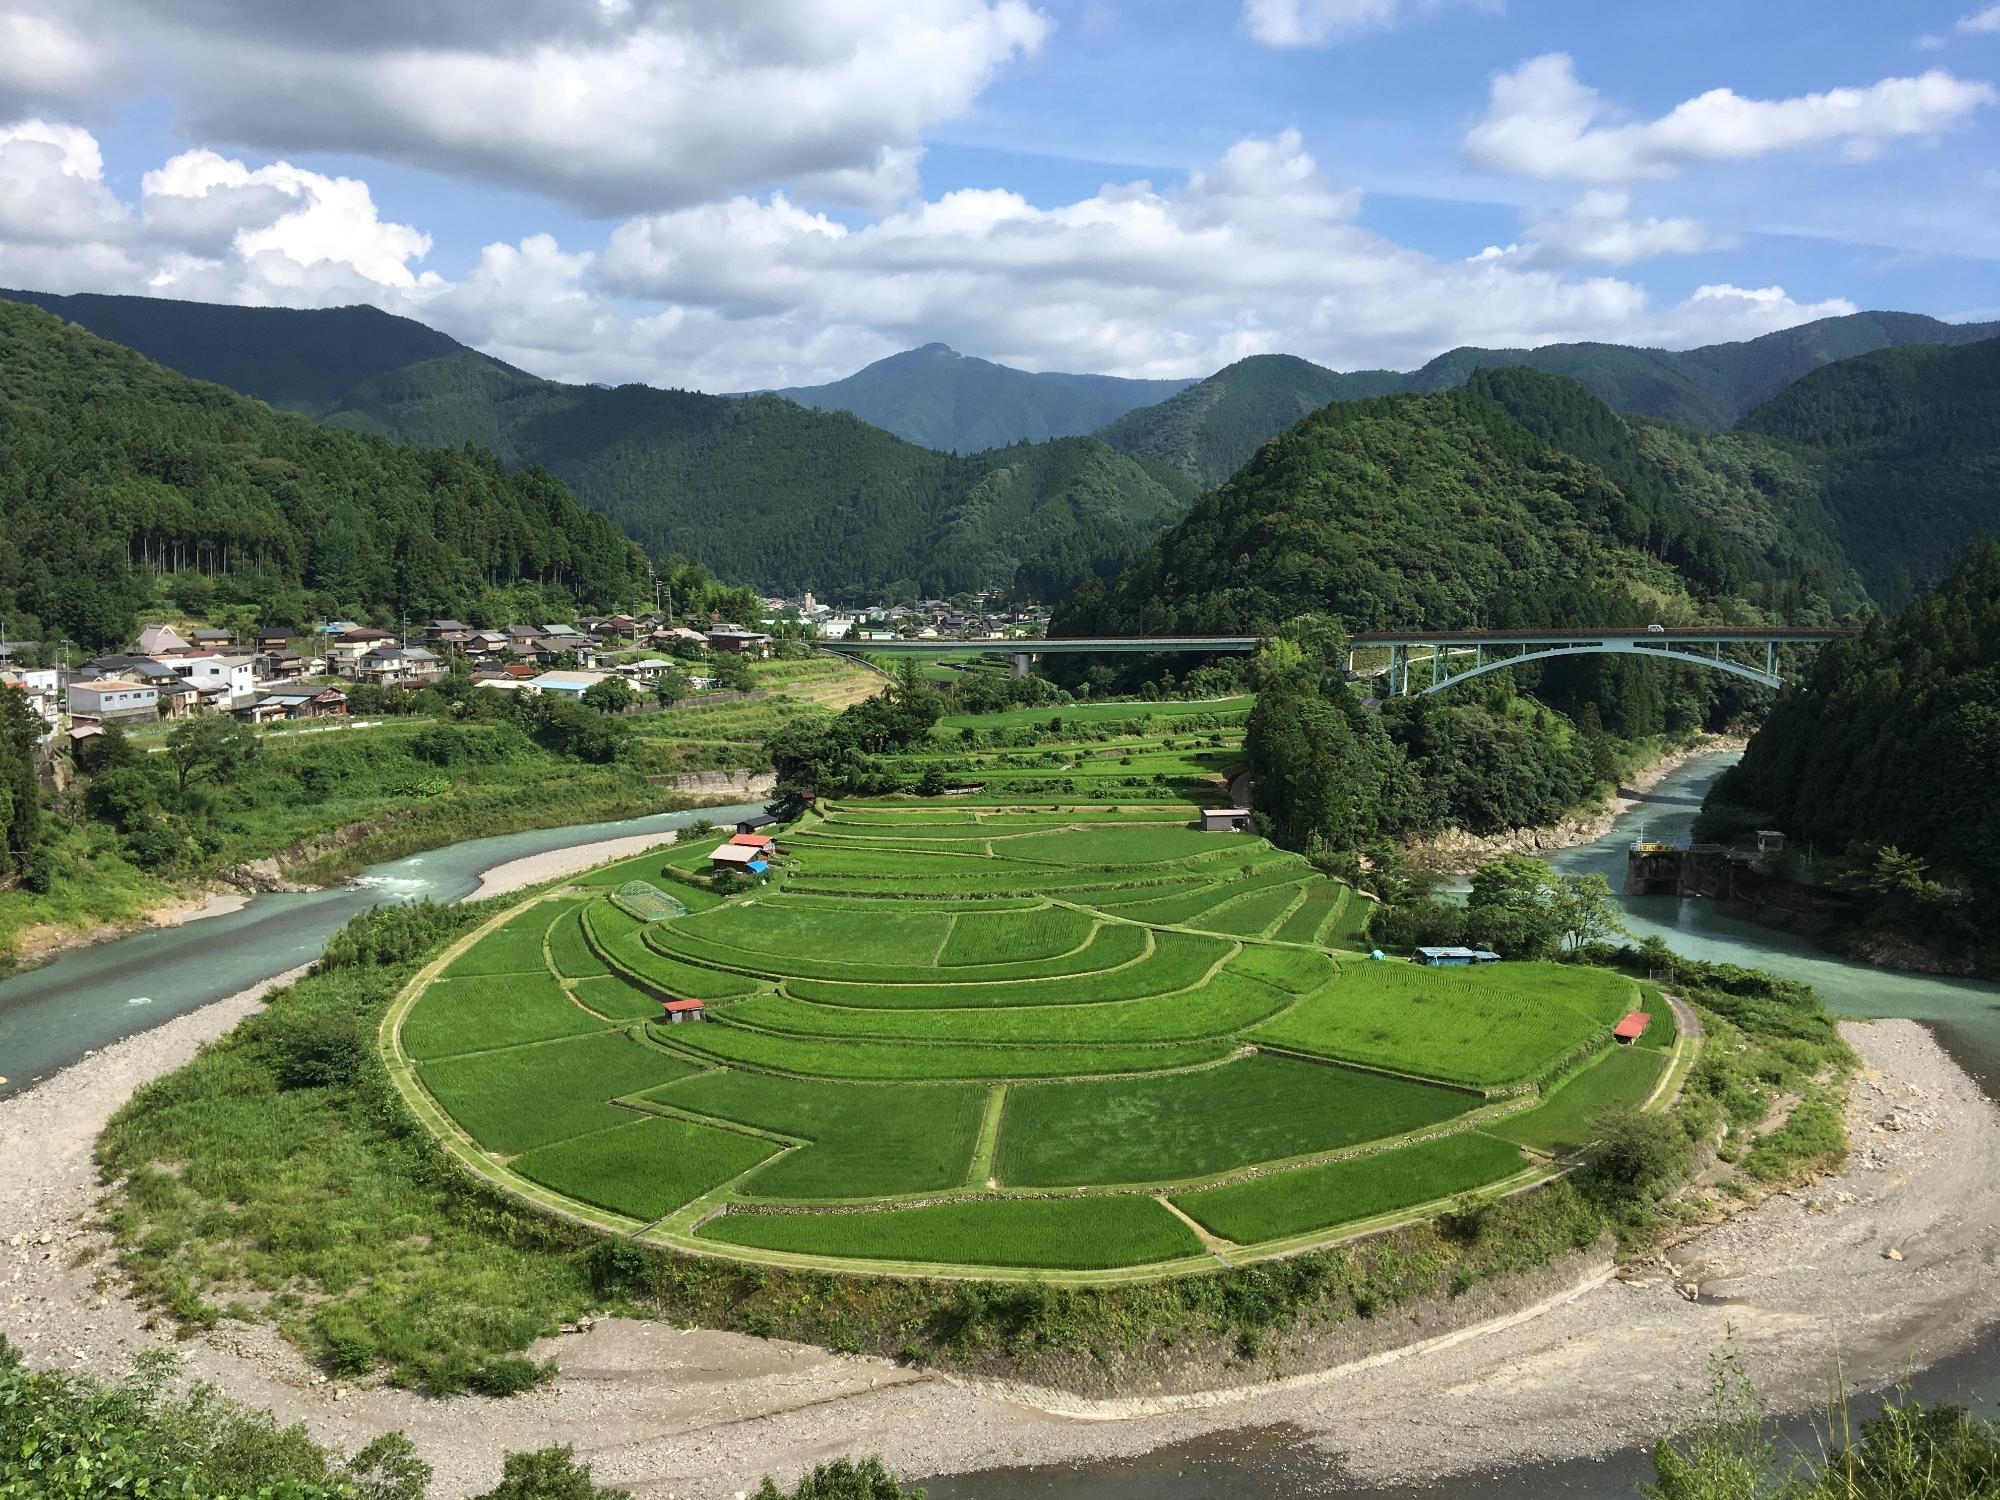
(278, 675)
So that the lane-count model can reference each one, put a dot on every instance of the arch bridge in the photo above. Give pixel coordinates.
(1744, 651)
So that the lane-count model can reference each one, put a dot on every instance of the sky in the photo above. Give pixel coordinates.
(733, 194)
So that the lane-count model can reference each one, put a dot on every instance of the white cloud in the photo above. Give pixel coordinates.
(1258, 251)
(1542, 121)
(1981, 22)
(616, 108)
(1600, 227)
(45, 59)
(1313, 23)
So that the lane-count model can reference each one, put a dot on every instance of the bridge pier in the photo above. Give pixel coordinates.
(1022, 661)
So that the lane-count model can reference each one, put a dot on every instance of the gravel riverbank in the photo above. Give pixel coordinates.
(694, 1414)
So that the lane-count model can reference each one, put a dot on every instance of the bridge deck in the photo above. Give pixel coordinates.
(1705, 634)
(1037, 647)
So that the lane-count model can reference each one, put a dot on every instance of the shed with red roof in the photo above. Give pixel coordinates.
(1632, 1027)
(678, 1011)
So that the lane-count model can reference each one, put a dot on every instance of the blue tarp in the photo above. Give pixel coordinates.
(757, 866)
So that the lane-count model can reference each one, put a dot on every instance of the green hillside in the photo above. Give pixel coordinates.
(1212, 428)
(119, 471)
(1209, 430)
(761, 489)
(1909, 440)
(1894, 739)
(301, 359)
(938, 398)
(1437, 509)
(1728, 510)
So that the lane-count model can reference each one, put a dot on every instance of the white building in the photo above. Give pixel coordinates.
(567, 684)
(224, 681)
(111, 699)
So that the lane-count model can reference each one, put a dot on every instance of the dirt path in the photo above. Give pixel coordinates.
(695, 1414)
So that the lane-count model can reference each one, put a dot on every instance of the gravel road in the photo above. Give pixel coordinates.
(695, 1414)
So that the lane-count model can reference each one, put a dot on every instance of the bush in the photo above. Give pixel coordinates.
(548, 1474)
(844, 1480)
(318, 1049)
(510, 1376)
(397, 934)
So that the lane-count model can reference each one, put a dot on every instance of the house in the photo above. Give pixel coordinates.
(282, 665)
(39, 685)
(760, 820)
(223, 680)
(213, 640)
(448, 633)
(113, 700)
(736, 857)
(387, 664)
(569, 684)
(300, 703)
(344, 651)
(1629, 1030)
(155, 639)
(1453, 958)
(763, 843)
(734, 638)
(648, 669)
(273, 640)
(1225, 820)
(677, 1011)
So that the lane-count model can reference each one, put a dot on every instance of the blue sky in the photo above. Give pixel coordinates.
(776, 191)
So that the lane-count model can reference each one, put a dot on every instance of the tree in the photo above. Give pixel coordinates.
(843, 1480)
(20, 813)
(1513, 907)
(733, 673)
(209, 748)
(1585, 909)
(611, 696)
(669, 688)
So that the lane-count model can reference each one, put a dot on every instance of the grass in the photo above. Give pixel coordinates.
(1098, 713)
(1111, 947)
(1488, 1027)
(1621, 1078)
(523, 1097)
(481, 1012)
(1253, 915)
(1322, 904)
(1050, 1233)
(867, 1140)
(1009, 937)
(569, 949)
(821, 1058)
(1282, 1204)
(1193, 1124)
(611, 996)
(1178, 959)
(516, 948)
(644, 1170)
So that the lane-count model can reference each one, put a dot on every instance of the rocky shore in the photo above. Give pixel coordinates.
(694, 1414)
(1455, 852)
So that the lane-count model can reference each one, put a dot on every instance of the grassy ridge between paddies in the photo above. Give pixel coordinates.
(1182, 1125)
(1303, 1199)
(1083, 1234)
(522, 1097)
(1487, 1027)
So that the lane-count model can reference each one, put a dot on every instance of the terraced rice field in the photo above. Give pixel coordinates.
(989, 1036)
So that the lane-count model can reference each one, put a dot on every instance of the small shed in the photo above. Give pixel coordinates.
(752, 824)
(733, 857)
(1629, 1030)
(762, 841)
(676, 1011)
(1225, 820)
(1453, 958)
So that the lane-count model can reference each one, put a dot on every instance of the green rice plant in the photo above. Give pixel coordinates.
(1187, 907)
(813, 1057)
(1178, 960)
(627, 946)
(515, 947)
(609, 995)
(1296, 972)
(1303, 1199)
(1488, 1026)
(647, 901)
(1011, 937)
(1620, 1078)
(1256, 1109)
(865, 935)
(1253, 915)
(1348, 926)
(644, 1170)
(1227, 1004)
(1323, 899)
(1164, 711)
(483, 1011)
(868, 1140)
(569, 949)
(522, 1097)
(1046, 1233)
(1108, 847)
(1109, 947)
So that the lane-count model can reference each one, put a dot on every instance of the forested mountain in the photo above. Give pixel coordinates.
(1208, 433)
(938, 398)
(1209, 430)
(301, 359)
(118, 471)
(1728, 510)
(1436, 510)
(1909, 442)
(1894, 739)
(760, 489)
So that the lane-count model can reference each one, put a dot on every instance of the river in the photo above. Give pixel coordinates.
(52, 1015)
(1271, 1465)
